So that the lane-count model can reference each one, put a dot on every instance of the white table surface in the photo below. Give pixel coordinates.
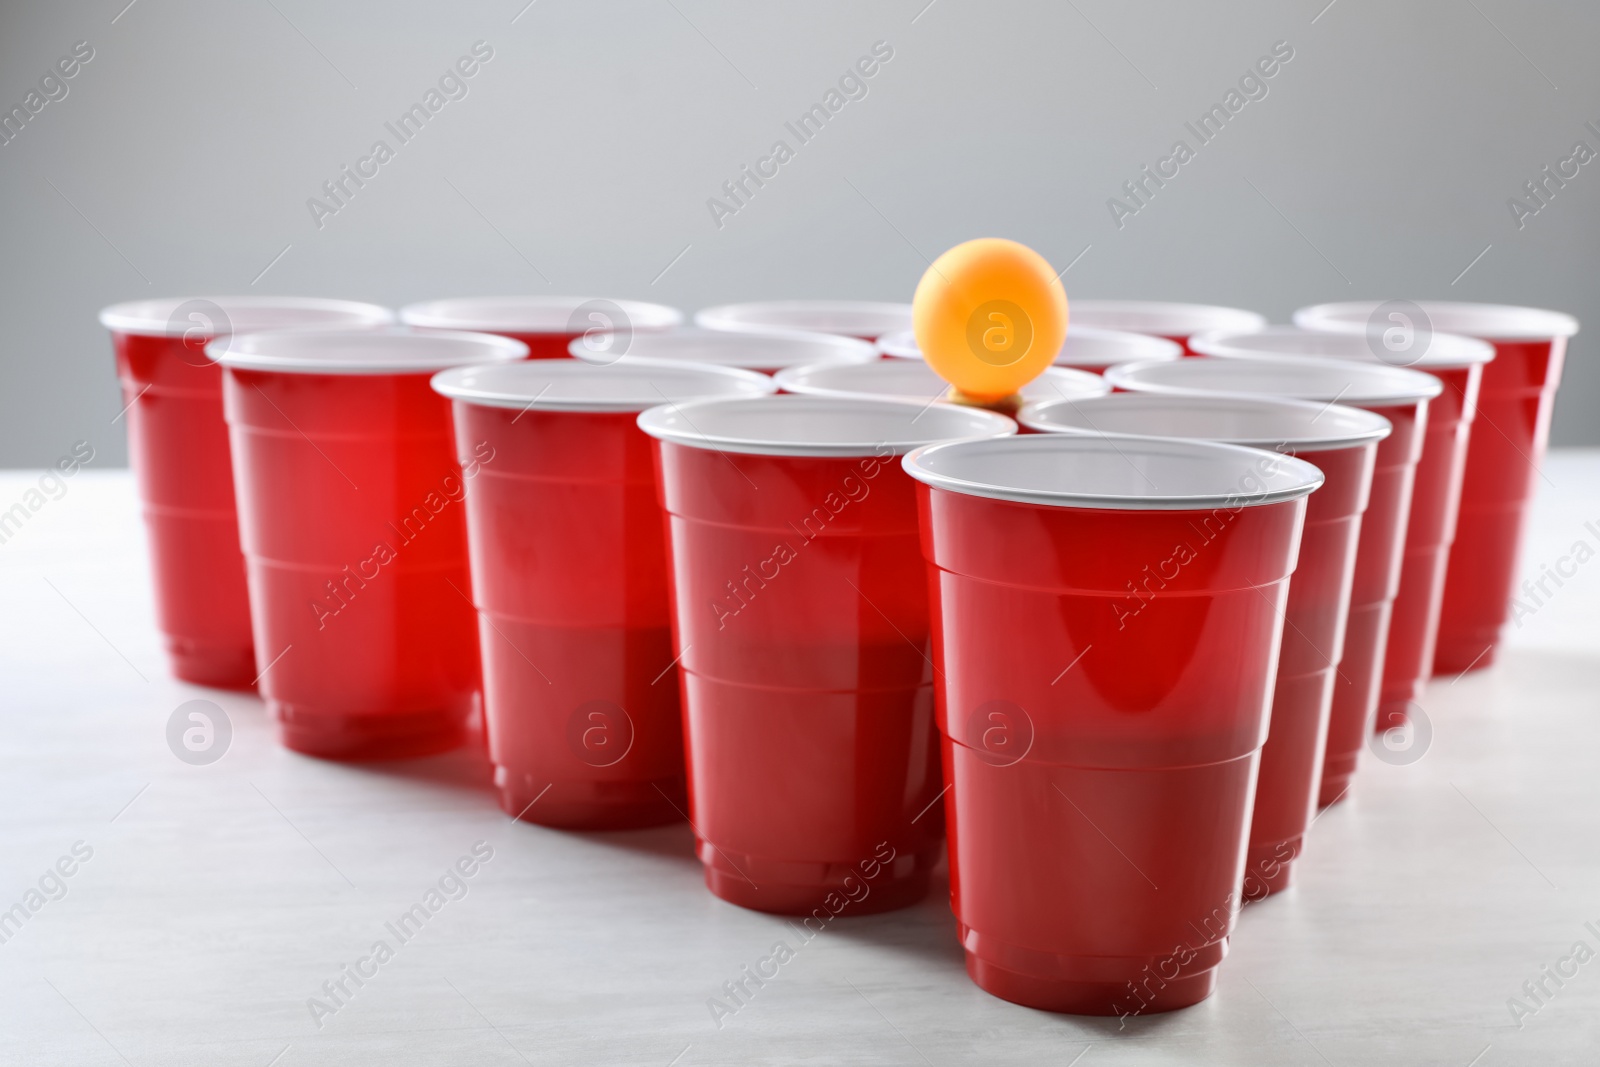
(219, 898)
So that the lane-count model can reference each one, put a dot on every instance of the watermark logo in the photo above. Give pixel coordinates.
(52, 88)
(1537, 991)
(340, 591)
(51, 886)
(853, 488)
(1538, 591)
(51, 485)
(853, 888)
(999, 732)
(1252, 85)
(1403, 745)
(451, 886)
(604, 328)
(999, 333)
(737, 192)
(1399, 332)
(340, 190)
(196, 323)
(1541, 189)
(600, 733)
(199, 732)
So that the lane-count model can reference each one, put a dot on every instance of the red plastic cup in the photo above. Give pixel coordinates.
(1514, 409)
(546, 324)
(1107, 616)
(1458, 362)
(1175, 322)
(866, 319)
(178, 446)
(354, 540)
(569, 577)
(801, 618)
(1342, 442)
(1403, 397)
(907, 379)
(1085, 349)
(758, 350)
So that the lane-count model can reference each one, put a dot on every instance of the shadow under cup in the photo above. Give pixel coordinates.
(178, 448)
(801, 614)
(1105, 653)
(353, 534)
(581, 702)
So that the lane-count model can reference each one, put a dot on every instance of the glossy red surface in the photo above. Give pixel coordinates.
(800, 609)
(1435, 501)
(178, 447)
(1508, 444)
(569, 577)
(1104, 685)
(1379, 554)
(1315, 619)
(355, 544)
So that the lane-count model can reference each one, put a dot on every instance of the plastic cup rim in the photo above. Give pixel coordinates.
(128, 317)
(446, 383)
(844, 349)
(1310, 478)
(982, 423)
(1446, 351)
(456, 313)
(1164, 317)
(1519, 322)
(491, 348)
(796, 380)
(1142, 347)
(735, 316)
(1425, 386)
(1034, 416)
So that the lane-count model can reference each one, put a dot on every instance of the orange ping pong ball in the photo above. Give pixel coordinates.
(990, 316)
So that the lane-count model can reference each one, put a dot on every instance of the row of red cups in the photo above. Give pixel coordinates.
(178, 437)
(1209, 399)
(794, 817)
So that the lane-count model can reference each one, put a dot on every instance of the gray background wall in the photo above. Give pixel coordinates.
(581, 160)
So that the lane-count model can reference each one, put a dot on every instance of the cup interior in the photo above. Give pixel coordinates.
(627, 384)
(1113, 472)
(818, 425)
(1327, 380)
(1260, 422)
